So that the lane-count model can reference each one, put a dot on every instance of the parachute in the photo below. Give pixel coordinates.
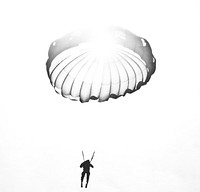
(99, 64)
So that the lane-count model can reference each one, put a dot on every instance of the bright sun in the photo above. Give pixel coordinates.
(102, 43)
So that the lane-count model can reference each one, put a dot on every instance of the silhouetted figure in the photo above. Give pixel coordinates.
(86, 170)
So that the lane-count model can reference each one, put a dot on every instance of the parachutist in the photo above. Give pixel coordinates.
(86, 170)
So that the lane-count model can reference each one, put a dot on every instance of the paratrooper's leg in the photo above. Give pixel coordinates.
(88, 176)
(82, 177)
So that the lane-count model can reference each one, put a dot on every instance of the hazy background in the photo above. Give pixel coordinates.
(148, 141)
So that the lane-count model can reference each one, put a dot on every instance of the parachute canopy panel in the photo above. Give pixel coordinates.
(99, 64)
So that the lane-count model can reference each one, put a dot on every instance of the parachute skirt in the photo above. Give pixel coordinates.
(78, 70)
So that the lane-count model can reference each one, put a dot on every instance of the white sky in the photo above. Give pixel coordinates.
(146, 141)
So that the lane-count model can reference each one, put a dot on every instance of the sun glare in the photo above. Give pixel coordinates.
(102, 43)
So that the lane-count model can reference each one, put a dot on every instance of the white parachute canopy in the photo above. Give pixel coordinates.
(99, 64)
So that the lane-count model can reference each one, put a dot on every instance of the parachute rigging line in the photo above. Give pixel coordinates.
(83, 156)
(92, 156)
